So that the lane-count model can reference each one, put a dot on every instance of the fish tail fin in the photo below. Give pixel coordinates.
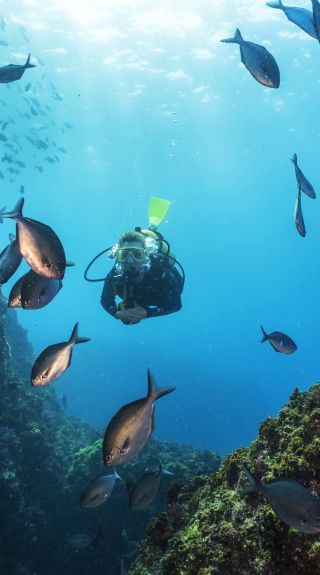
(265, 336)
(163, 470)
(16, 212)
(254, 484)
(74, 339)
(236, 39)
(2, 211)
(294, 159)
(275, 4)
(155, 392)
(27, 64)
(117, 476)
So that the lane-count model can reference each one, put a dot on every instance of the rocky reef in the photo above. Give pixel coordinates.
(221, 533)
(48, 458)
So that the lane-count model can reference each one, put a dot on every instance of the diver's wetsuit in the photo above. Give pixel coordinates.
(158, 291)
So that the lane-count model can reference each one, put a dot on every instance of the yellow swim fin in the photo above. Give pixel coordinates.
(157, 211)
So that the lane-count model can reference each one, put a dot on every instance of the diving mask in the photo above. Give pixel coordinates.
(137, 254)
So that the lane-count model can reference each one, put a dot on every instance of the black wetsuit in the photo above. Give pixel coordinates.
(158, 292)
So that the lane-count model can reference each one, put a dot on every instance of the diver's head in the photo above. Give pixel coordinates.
(131, 255)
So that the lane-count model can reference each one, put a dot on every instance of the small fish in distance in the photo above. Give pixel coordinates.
(279, 341)
(98, 490)
(298, 216)
(303, 184)
(260, 63)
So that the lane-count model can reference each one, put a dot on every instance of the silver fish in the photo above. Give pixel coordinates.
(290, 500)
(298, 216)
(38, 244)
(279, 341)
(13, 72)
(146, 489)
(131, 427)
(98, 490)
(10, 259)
(303, 184)
(54, 360)
(38, 291)
(260, 63)
(316, 17)
(299, 16)
(14, 299)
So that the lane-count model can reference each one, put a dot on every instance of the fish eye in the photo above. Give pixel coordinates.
(108, 458)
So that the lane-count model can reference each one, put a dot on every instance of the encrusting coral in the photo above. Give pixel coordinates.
(222, 533)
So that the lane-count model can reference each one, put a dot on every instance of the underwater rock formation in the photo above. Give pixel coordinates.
(46, 460)
(221, 533)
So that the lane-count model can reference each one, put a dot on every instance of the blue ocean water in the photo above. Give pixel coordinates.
(158, 106)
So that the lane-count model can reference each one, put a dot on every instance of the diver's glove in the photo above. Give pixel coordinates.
(131, 315)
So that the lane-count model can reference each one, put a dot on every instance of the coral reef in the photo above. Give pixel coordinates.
(223, 533)
(47, 459)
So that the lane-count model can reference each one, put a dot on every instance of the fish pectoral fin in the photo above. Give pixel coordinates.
(125, 446)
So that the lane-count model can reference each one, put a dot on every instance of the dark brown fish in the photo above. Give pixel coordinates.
(10, 259)
(14, 299)
(38, 244)
(54, 360)
(38, 291)
(290, 500)
(13, 72)
(279, 341)
(131, 427)
(146, 489)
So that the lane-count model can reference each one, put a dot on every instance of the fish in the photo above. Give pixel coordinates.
(279, 341)
(2, 211)
(24, 34)
(303, 184)
(14, 299)
(10, 259)
(22, 189)
(316, 17)
(146, 488)
(260, 63)
(38, 244)
(3, 43)
(27, 87)
(98, 490)
(3, 138)
(54, 360)
(290, 500)
(121, 570)
(80, 540)
(13, 72)
(38, 291)
(298, 216)
(298, 16)
(130, 428)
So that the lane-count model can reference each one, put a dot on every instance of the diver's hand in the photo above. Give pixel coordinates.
(132, 315)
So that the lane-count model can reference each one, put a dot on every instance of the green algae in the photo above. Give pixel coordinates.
(225, 534)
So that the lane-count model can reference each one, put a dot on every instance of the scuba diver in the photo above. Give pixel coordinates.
(144, 275)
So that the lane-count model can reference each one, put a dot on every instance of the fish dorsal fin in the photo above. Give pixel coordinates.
(294, 159)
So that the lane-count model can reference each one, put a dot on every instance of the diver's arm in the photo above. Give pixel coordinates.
(170, 298)
(108, 299)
